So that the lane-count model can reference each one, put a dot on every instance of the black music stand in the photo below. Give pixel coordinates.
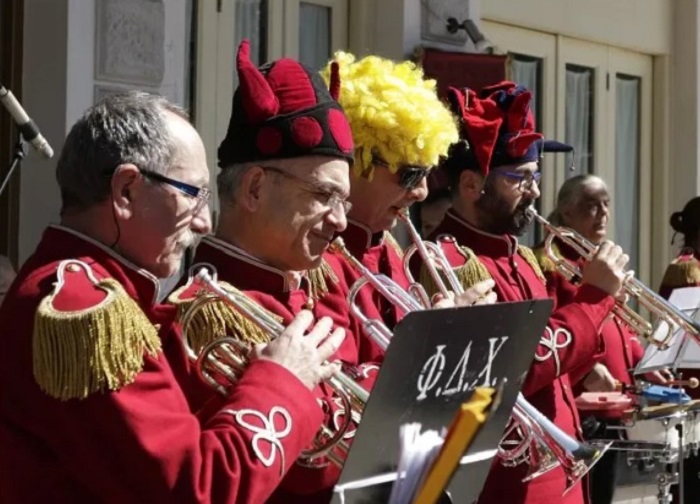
(432, 365)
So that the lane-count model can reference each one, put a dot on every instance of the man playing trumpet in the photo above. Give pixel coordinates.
(98, 401)
(493, 174)
(401, 130)
(283, 192)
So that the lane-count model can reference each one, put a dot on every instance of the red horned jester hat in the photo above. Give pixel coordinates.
(283, 110)
(497, 128)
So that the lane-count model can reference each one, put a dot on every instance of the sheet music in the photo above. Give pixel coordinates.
(418, 451)
(682, 352)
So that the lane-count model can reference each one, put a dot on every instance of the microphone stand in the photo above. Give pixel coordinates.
(20, 152)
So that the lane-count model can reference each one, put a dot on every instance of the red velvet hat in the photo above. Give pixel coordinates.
(283, 110)
(497, 127)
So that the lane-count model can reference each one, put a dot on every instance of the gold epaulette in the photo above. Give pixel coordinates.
(530, 258)
(391, 241)
(319, 278)
(545, 262)
(684, 271)
(470, 273)
(206, 317)
(95, 341)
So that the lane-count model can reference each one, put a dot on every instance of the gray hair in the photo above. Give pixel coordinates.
(570, 194)
(129, 127)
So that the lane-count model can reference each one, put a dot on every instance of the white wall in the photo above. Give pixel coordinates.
(640, 25)
(44, 93)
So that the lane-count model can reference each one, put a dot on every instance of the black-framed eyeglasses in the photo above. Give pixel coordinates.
(409, 175)
(200, 194)
(331, 200)
(525, 179)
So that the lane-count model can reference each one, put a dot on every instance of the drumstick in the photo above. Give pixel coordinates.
(690, 383)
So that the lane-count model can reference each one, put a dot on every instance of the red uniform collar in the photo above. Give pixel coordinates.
(481, 242)
(60, 242)
(249, 272)
(359, 238)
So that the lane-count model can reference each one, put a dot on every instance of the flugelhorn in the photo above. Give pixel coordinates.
(657, 306)
(222, 361)
(552, 444)
(406, 301)
(434, 259)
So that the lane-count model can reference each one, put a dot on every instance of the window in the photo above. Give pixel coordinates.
(579, 117)
(314, 34)
(527, 70)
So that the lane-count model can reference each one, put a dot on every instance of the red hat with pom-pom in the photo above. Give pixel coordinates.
(284, 110)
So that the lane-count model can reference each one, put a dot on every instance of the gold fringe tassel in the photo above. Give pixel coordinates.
(682, 272)
(212, 318)
(469, 274)
(319, 278)
(529, 256)
(100, 348)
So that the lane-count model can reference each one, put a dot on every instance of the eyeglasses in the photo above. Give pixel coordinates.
(526, 179)
(331, 200)
(201, 195)
(409, 175)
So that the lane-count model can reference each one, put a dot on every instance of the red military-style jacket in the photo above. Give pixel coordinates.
(142, 442)
(572, 338)
(622, 347)
(273, 289)
(381, 254)
(684, 271)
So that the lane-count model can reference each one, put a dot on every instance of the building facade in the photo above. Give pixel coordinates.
(618, 79)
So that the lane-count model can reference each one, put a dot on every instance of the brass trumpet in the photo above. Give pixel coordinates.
(406, 301)
(433, 257)
(552, 446)
(662, 310)
(222, 361)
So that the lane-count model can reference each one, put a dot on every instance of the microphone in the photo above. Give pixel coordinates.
(27, 127)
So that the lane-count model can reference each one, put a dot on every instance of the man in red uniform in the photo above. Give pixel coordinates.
(98, 400)
(583, 206)
(493, 176)
(401, 130)
(283, 189)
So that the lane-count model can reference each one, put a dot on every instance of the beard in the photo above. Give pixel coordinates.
(497, 217)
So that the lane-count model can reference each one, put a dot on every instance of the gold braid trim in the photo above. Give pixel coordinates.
(319, 278)
(469, 274)
(529, 256)
(682, 272)
(545, 262)
(205, 317)
(92, 350)
(391, 241)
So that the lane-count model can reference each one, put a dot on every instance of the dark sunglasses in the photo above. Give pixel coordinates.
(409, 175)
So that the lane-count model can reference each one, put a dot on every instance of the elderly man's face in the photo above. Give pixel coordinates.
(591, 213)
(166, 220)
(304, 209)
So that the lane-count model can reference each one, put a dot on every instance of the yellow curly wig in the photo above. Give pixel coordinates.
(394, 113)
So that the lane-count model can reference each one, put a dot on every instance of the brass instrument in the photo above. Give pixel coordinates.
(434, 259)
(661, 309)
(406, 301)
(222, 361)
(552, 446)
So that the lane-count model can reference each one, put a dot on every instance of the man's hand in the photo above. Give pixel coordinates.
(599, 380)
(478, 294)
(660, 377)
(606, 269)
(305, 355)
